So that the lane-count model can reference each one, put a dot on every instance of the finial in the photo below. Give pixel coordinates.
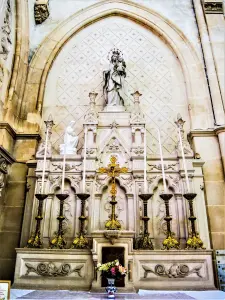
(92, 96)
(179, 122)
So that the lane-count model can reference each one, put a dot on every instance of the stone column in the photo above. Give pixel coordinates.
(209, 63)
(131, 212)
(220, 132)
(207, 146)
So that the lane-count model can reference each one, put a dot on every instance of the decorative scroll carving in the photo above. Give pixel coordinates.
(3, 164)
(41, 11)
(213, 7)
(100, 182)
(166, 167)
(138, 151)
(49, 269)
(127, 181)
(2, 184)
(68, 166)
(174, 271)
(6, 41)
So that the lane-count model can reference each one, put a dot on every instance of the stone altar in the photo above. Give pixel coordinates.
(119, 134)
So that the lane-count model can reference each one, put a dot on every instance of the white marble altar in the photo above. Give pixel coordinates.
(121, 117)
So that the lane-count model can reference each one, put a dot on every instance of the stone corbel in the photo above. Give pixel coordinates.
(5, 160)
(213, 7)
(41, 11)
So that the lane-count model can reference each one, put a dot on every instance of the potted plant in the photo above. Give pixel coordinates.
(111, 270)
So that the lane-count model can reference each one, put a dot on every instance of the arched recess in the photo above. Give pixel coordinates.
(192, 67)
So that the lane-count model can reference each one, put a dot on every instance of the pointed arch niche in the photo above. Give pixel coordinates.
(152, 68)
(86, 25)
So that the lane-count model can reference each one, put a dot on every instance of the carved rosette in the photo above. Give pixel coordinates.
(41, 11)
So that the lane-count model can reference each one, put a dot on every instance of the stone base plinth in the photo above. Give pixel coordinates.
(53, 269)
(173, 270)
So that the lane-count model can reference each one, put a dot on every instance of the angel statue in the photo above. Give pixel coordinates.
(70, 140)
(113, 89)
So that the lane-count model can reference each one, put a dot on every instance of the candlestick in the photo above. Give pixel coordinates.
(170, 241)
(81, 242)
(35, 241)
(59, 242)
(144, 242)
(145, 162)
(64, 168)
(84, 161)
(184, 162)
(44, 163)
(161, 157)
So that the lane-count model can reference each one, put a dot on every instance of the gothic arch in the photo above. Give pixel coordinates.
(198, 98)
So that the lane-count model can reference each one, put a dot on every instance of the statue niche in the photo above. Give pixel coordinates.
(121, 207)
(113, 89)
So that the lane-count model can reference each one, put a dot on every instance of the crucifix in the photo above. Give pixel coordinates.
(113, 170)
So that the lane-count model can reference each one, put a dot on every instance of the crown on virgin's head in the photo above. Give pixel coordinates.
(116, 51)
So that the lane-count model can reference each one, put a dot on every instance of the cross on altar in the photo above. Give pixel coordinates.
(113, 170)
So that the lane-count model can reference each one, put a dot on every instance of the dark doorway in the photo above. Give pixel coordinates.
(110, 254)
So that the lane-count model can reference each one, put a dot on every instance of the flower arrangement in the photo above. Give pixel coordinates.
(112, 269)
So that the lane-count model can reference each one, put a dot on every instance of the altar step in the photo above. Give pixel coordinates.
(142, 294)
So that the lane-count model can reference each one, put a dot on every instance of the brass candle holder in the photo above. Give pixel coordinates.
(145, 242)
(169, 242)
(59, 242)
(35, 241)
(81, 242)
(194, 241)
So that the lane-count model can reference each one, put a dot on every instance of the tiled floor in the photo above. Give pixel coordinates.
(154, 295)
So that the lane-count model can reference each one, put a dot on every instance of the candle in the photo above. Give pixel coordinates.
(162, 164)
(64, 168)
(44, 164)
(184, 162)
(85, 155)
(145, 163)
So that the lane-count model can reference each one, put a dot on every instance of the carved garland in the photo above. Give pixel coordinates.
(174, 271)
(50, 270)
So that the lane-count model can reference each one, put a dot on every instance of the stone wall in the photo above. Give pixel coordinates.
(11, 218)
(22, 94)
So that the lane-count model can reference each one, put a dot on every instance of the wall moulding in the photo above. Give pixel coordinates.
(183, 49)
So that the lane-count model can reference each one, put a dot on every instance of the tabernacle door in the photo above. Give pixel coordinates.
(110, 254)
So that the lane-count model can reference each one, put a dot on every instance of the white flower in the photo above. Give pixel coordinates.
(117, 263)
(99, 265)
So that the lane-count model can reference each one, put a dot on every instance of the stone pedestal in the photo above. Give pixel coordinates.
(173, 270)
(53, 269)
